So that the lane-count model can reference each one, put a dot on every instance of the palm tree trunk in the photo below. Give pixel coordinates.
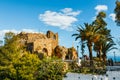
(100, 53)
(104, 58)
(90, 53)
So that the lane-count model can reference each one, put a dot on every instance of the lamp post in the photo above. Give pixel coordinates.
(114, 56)
(78, 51)
(77, 54)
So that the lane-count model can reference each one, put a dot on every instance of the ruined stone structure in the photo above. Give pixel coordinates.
(47, 44)
(40, 43)
(66, 53)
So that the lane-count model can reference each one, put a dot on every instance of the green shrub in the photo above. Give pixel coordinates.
(51, 70)
(21, 68)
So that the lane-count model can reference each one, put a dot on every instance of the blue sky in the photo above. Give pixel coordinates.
(62, 16)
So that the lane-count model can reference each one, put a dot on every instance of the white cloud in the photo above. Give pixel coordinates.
(69, 12)
(2, 32)
(112, 16)
(101, 8)
(63, 19)
(28, 31)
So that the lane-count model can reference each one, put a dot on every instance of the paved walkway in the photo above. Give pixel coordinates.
(113, 68)
(110, 75)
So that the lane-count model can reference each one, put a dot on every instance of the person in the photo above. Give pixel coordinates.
(111, 62)
(108, 62)
(79, 61)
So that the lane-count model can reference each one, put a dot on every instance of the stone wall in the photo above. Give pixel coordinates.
(47, 44)
(40, 43)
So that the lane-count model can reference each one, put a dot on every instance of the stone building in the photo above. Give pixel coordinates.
(47, 44)
(40, 43)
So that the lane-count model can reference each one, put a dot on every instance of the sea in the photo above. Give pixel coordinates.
(114, 58)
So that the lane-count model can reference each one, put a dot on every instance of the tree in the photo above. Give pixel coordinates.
(89, 35)
(10, 47)
(117, 12)
(105, 35)
(94, 34)
(21, 67)
(26, 66)
(99, 21)
(82, 48)
(8, 36)
(15, 62)
(1, 42)
(11, 54)
(107, 46)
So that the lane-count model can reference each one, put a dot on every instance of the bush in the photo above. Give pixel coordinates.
(51, 70)
(20, 68)
(73, 66)
(30, 67)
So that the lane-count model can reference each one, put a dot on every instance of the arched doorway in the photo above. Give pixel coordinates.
(45, 51)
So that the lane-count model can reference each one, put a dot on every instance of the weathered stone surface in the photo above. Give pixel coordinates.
(66, 53)
(40, 43)
(61, 52)
(47, 44)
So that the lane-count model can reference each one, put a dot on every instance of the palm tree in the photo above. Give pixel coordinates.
(117, 12)
(89, 35)
(95, 33)
(104, 37)
(107, 46)
(82, 48)
(104, 33)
